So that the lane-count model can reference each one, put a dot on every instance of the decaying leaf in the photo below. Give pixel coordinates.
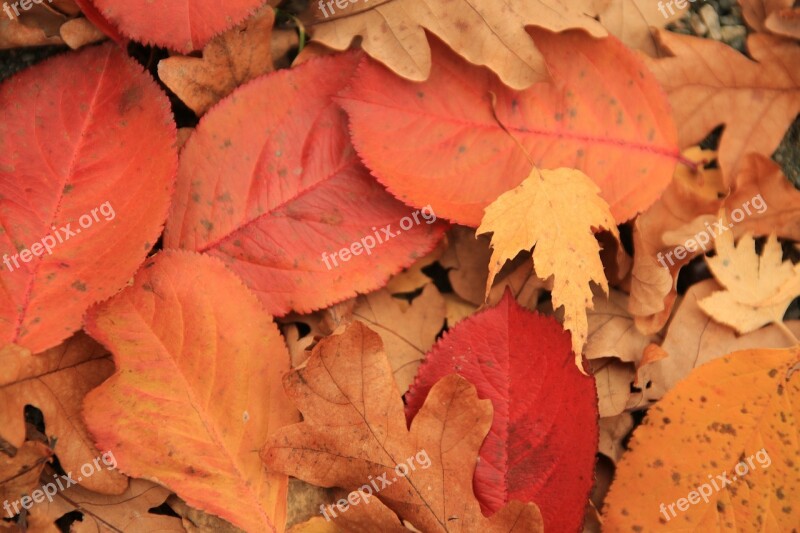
(522, 361)
(209, 362)
(718, 452)
(541, 213)
(758, 289)
(19, 473)
(354, 431)
(485, 33)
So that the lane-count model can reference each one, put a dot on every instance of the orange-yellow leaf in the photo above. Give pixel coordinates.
(197, 388)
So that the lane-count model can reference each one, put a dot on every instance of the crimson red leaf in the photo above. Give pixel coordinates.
(270, 184)
(604, 114)
(544, 435)
(101, 141)
(182, 25)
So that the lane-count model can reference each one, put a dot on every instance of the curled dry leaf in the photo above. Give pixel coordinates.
(229, 60)
(705, 94)
(758, 289)
(79, 32)
(739, 409)
(354, 431)
(541, 213)
(618, 130)
(55, 382)
(486, 33)
(207, 362)
(542, 444)
(101, 169)
(270, 184)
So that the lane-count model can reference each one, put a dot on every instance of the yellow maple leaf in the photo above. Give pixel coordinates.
(556, 211)
(758, 289)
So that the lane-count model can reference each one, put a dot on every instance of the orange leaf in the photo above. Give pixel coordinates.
(197, 388)
(354, 430)
(717, 453)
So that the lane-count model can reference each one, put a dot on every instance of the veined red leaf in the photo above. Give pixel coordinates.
(603, 113)
(270, 184)
(544, 435)
(197, 388)
(184, 25)
(92, 153)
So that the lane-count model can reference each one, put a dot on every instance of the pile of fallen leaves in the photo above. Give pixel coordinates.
(399, 265)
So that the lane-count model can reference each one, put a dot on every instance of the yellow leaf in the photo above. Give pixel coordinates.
(757, 289)
(555, 211)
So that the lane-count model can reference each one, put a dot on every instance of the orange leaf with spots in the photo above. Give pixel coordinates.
(197, 388)
(718, 453)
(87, 167)
(616, 128)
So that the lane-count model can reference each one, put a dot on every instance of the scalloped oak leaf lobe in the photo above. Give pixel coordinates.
(722, 413)
(181, 25)
(354, 430)
(544, 435)
(197, 388)
(705, 94)
(617, 129)
(270, 184)
(76, 142)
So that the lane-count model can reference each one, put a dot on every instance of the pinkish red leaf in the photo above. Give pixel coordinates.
(81, 132)
(270, 184)
(544, 435)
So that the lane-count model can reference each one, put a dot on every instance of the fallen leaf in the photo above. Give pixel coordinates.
(229, 60)
(757, 289)
(413, 278)
(740, 409)
(14, 34)
(277, 193)
(489, 33)
(406, 334)
(209, 362)
(19, 473)
(541, 213)
(105, 167)
(467, 262)
(79, 32)
(616, 129)
(784, 22)
(705, 94)
(182, 26)
(522, 362)
(756, 12)
(631, 21)
(55, 382)
(613, 431)
(354, 430)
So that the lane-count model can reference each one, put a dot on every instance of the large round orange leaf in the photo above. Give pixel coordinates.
(438, 141)
(197, 388)
(87, 168)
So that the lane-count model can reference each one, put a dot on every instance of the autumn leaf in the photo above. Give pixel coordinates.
(229, 60)
(631, 21)
(742, 409)
(504, 351)
(208, 362)
(784, 22)
(705, 94)
(182, 26)
(693, 339)
(55, 382)
(756, 12)
(617, 129)
(354, 431)
(487, 33)
(542, 213)
(98, 169)
(758, 289)
(19, 473)
(277, 192)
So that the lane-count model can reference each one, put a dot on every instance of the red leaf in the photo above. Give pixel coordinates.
(544, 435)
(69, 144)
(96, 18)
(270, 184)
(183, 25)
(419, 139)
